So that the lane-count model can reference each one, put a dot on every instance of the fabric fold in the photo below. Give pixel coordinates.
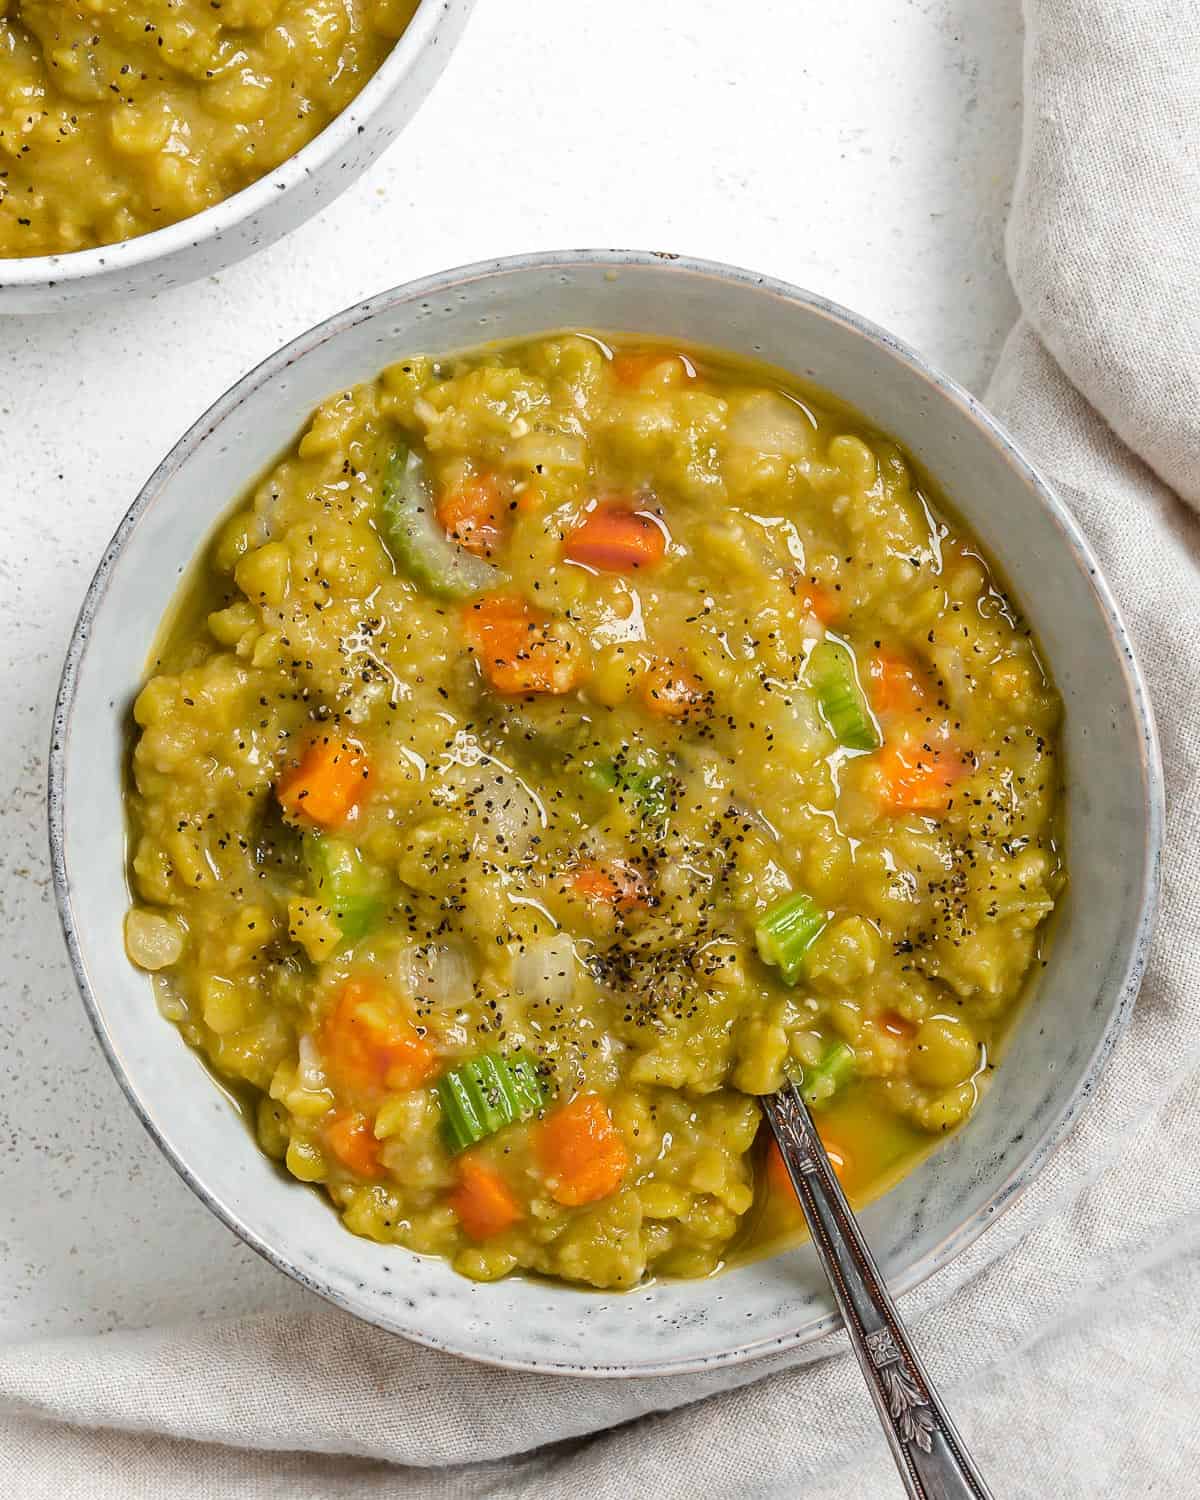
(1104, 233)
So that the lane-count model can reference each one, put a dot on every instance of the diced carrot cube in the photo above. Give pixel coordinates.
(328, 783)
(581, 1151)
(353, 1142)
(482, 1200)
(918, 776)
(633, 369)
(519, 650)
(368, 1044)
(615, 884)
(896, 684)
(615, 538)
(821, 603)
(473, 514)
(672, 691)
(780, 1184)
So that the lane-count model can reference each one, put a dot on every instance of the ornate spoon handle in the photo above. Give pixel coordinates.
(928, 1451)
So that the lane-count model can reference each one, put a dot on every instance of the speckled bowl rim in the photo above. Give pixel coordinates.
(48, 271)
(946, 391)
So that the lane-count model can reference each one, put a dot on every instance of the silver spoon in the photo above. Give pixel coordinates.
(928, 1451)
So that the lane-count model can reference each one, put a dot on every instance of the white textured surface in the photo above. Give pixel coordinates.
(865, 151)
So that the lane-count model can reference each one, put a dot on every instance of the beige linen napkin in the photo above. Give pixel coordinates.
(1069, 1351)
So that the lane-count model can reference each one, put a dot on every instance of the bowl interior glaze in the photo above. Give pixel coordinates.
(1113, 813)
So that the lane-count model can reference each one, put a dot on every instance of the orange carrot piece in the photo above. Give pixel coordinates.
(631, 369)
(530, 496)
(581, 1151)
(672, 691)
(482, 1200)
(822, 603)
(615, 884)
(780, 1184)
(353, 1142)
(918, 776)
(519, 650)
(616, 539)
(368, 1044)
(327, 784)
(472, 514)
(896, 1025)
(895, 684)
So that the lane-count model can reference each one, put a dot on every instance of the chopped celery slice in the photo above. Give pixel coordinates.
(420, 547)
(341, 880)
(484, 1095)
(786, 931)
(842, 702)
(830, 1075)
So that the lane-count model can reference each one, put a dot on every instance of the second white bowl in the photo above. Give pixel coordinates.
(267, 209)
(1113, 795)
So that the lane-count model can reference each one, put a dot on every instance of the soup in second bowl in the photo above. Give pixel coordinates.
(563, 744)
(121, 116)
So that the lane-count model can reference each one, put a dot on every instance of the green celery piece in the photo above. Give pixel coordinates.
(840, 697)
(487, 1093)
(342, 881)
(461, 1122)
(829, 1077)
(420, 547)
(786, 931)
(494, 1090)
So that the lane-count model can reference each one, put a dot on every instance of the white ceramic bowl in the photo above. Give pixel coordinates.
(267, 209)
(1114, 813)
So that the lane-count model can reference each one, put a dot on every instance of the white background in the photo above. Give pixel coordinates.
(864, 149)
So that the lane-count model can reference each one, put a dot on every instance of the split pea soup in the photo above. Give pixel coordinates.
(121, 116)
(562, 745)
